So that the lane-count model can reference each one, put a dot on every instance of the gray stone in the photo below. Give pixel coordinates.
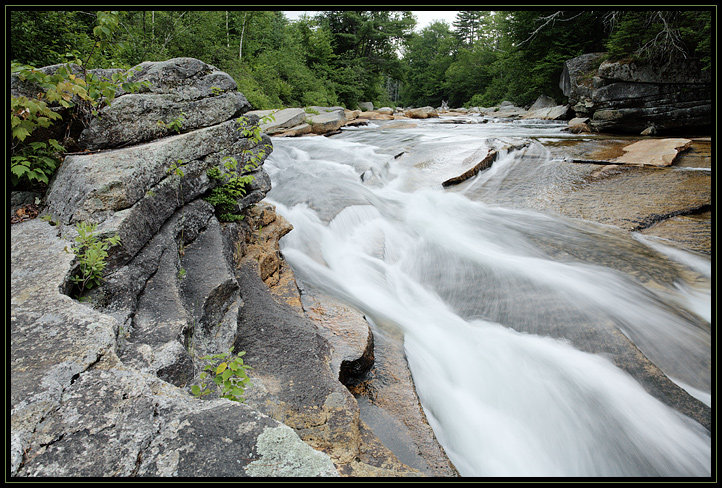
(575, 82)
(283, 454)
(282, 119)
(180, 88)
(631, 97)
(76, 410)
(556, 112)
(678, 71)
(132, 191)
(326, 122)
(421, 113)
(542, 101)
(319, 109)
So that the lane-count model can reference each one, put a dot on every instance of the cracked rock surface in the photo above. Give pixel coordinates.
(77, 410)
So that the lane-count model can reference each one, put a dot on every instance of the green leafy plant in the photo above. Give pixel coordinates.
(36, 161)
(175, 124)
(236, 177)
(228, 374)
(83, 93)
(91, 253)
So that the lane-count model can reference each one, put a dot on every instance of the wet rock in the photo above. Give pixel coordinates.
(653, 152)
(293, 382)
(348, 334)
(578, 125)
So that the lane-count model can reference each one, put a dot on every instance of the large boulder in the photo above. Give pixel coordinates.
(281, 119)
(326, 122)
(133, 191)
(635, 97)
(546, 108)
(185, 90)
(421, 113)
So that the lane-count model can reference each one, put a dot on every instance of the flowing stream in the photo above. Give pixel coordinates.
(505, 311)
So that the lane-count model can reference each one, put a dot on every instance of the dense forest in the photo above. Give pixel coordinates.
(344, 57)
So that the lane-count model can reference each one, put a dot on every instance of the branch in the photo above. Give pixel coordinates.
(549, 19)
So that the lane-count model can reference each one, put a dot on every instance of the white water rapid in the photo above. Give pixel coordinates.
(501, 305)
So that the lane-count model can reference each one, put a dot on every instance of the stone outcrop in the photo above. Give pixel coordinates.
(183, 89)
(282, 119)
(632, 97)
(326, 122)
(78, 410)
(421, 113)
(102, 387)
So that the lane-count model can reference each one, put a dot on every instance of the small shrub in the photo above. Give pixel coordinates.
(91, 253)
(229, 376)
(235, 179)
(35, 162)
(175, 125)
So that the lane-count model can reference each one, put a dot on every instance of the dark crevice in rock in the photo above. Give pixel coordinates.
(354, 372)
(656, 218)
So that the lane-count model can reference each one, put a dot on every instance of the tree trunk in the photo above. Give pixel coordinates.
(240, 45)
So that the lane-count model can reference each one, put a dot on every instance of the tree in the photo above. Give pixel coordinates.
(428, 56)
(540, 42)
(660, 35)
(366, 45)
(468, 26)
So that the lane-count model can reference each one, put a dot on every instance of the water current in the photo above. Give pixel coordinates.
(510, 315)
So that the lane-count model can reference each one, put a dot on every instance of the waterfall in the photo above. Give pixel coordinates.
(509, 315)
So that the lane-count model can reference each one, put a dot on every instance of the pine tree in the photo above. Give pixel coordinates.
(468, 26)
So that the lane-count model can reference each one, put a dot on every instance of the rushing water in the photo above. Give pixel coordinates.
(502, 307)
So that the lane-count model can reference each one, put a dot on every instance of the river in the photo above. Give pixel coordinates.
(507, 312)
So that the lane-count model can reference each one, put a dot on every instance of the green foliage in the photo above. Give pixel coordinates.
(35, 162)
(235, 178)
(343, 57)
(70, 87)
(91, 253)
(429, 55)
(227, 373)
(175, 125)
(661, 35)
